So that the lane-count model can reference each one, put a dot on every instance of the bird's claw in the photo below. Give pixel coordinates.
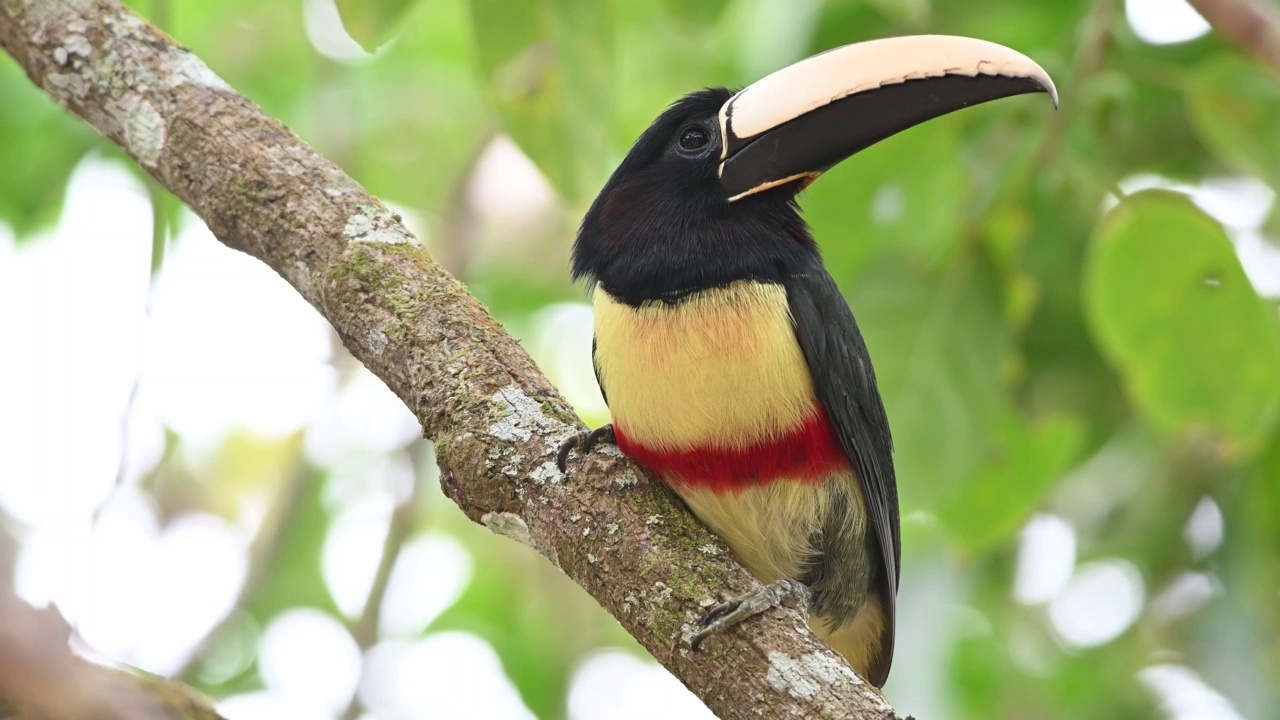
(725, 615)
(584, 442)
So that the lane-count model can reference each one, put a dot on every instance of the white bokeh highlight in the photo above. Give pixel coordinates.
(507, 186)
(1184, 695)
(352, 549)
(269, 705)
(231, 346)
(1103, 599)
(71, 305)
(561, 339)
(614, 685)
(364, 417)
(329, 37)
(889, 205)
(1185, 595)
(1046, 557)
(134, 592)
(430, 576)
(445, 676)
(1164, 22)
(1205, 528)
(308, 658)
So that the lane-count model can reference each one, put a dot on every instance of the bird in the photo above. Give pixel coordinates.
(732, 366)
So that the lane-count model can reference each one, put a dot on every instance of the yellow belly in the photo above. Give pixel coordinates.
(771, 529)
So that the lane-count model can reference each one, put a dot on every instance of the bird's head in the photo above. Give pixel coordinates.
(707, 194)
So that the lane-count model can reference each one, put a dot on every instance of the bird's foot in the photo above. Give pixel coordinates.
(584, 442)
(789, 593)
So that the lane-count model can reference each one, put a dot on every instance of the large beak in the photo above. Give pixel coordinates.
(805, 118)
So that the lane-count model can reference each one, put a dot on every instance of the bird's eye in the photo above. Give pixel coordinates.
(693, 139)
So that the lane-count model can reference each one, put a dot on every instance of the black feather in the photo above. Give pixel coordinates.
(595, 367)
(845, 383)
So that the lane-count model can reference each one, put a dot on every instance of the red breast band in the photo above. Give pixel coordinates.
(810, 453)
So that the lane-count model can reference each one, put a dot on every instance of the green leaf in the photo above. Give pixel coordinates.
(695, 12)
(1249, 560)
(414, 122)
(938, 346)
(549, 68)
(907, 192)
(1171, 308)
(904, 11)
(372, 22)
(1023, 463)
(1036, 28)
(1234, 107)
(1061, 369)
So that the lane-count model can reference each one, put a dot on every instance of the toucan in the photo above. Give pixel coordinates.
(732, 367)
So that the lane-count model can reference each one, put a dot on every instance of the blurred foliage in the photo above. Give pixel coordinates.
(547, 68)
(372, 24)
(1164, 329)
(1041, 347)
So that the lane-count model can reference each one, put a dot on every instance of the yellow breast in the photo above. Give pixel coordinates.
(721, 368)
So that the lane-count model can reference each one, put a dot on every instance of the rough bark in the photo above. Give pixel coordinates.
(495, 418)
(1253, 25)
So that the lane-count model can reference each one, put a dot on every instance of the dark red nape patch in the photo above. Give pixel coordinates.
(810, 453)
(612, 204)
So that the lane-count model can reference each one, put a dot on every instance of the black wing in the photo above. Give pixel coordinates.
(845, 384)
(596, 367)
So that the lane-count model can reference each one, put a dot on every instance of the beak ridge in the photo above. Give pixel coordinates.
(804, 118)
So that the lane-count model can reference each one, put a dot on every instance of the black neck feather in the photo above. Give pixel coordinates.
(644, 246)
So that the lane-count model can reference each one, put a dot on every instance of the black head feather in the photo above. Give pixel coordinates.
(663, 228)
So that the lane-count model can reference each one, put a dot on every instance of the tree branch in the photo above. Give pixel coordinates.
(41, 679)
(495, 418)
(1252, 25)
